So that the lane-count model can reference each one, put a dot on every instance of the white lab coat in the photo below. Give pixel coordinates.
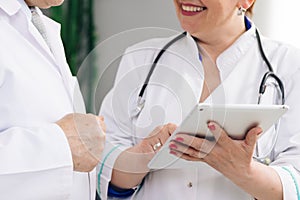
(175, 87)
(36, 90)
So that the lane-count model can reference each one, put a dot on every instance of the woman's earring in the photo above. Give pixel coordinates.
(241, 11)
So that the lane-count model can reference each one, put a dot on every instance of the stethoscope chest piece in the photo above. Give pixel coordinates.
(140, 103)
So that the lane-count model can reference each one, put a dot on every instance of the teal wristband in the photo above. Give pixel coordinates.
(102, 165)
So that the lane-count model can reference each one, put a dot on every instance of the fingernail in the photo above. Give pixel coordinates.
(211, 127)
(173, 146)
(179, 139)
(173, 152)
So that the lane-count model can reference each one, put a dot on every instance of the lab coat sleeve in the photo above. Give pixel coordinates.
(290, 182)
(287, 149)
(116, 109)
(38, 158)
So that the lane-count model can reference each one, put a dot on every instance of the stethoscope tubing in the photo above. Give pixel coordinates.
(153, 66)
(262, 87)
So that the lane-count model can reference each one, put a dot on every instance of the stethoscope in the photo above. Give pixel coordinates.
(262, 88)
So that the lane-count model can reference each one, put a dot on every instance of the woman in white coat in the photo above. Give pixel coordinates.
(41, 144)
(218, 61)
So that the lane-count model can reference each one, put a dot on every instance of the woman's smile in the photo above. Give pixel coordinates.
(188, 9)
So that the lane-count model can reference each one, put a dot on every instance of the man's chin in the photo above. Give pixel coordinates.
(44, 4)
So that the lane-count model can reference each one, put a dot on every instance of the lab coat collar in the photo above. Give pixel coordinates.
(11, 7)
(53, 31)
(192, 55)
(193, 44)
(228, 59)
(57, 56)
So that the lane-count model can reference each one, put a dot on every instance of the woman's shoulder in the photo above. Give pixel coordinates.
(283, 53)
(284, 57)
(282, 47)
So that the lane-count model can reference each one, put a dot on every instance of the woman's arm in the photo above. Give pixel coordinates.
(131, 166)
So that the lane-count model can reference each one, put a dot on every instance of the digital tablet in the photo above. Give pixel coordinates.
(236, 119)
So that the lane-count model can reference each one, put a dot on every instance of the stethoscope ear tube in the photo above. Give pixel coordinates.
(262, 52)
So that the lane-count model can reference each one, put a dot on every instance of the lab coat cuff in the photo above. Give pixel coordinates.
(105, 167)
(62, 139)
(290, 182)
(59, 141)
(65, 150)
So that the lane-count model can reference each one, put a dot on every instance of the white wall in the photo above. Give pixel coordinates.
(115, 16)
(121, 23)
(279, 19)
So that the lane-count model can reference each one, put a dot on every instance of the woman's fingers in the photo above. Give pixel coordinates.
(219, 133)
(159, 136)
(201, 144)
(251, 139)
(191, 145)
(166, 132)
(186, 145)
(187, 156)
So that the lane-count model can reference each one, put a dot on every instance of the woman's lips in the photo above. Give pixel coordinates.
(190, 10)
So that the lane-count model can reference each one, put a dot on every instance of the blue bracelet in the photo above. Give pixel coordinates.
(114, 191)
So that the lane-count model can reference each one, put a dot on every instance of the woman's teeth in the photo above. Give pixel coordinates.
(193, 8)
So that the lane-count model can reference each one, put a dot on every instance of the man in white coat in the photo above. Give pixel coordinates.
(47, 152)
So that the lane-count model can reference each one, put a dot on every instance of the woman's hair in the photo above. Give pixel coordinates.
(249, 11)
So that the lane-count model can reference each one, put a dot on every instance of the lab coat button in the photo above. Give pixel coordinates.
(190, 184)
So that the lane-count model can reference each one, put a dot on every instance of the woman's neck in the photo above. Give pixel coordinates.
(218, 40)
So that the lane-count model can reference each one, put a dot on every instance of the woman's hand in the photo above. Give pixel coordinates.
(233, 158)
(145, 150)
(132, 165)
(156, 139)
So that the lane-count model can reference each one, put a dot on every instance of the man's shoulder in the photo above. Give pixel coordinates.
(9, 8)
